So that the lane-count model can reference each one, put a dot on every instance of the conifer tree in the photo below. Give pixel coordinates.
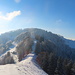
(52, 63)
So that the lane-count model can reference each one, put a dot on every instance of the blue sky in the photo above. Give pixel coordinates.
(57, 16)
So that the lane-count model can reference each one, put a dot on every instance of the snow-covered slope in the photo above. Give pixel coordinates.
(27, 66)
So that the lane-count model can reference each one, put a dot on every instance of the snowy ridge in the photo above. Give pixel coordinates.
(28, 66)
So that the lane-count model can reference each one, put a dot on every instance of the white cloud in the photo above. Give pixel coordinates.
(10, 16)
(17, 1)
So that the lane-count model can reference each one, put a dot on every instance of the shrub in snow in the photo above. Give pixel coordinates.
(7, 59)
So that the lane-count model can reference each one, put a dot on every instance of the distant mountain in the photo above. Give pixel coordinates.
(71, 43)
(9, 36)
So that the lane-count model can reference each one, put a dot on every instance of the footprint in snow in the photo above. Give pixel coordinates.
(19, 69)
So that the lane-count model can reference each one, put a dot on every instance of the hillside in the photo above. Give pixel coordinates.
(35, 51)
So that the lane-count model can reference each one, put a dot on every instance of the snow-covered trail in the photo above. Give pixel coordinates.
(30, 67)
(27, 66)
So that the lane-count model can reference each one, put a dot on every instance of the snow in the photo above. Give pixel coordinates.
(34, 46)
(27, 66)
(9, 69)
